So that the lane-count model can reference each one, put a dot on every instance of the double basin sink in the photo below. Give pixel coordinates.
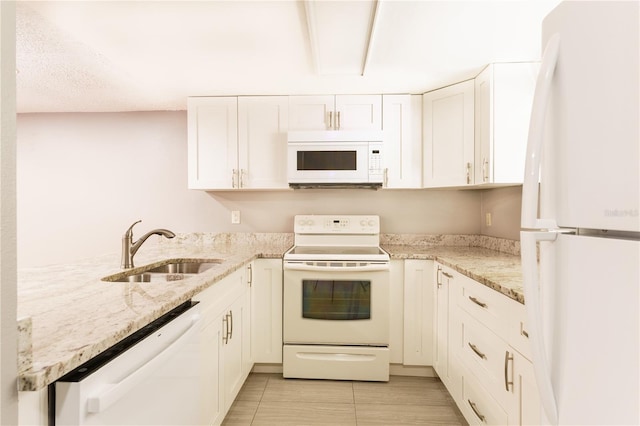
(171, 270)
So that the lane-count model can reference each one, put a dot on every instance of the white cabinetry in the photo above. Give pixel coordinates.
(226, 339)
(447, 330)
(212, 125)
(402, 125)
(498, 382)
(448, 135)
(418, 312)
(503, 99)
(237, 142)
(263, 123)
(396, 308)
(266, 294)
(339, 112)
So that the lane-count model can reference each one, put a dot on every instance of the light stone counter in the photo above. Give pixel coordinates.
(75, 315)
(72, 315)
(494, 262)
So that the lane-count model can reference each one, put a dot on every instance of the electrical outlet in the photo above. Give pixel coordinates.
(235, 216)
(487, 219)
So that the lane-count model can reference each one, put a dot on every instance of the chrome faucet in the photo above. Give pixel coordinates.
(129, 248)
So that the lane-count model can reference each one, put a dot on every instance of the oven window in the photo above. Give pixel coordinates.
(336, 300)
(327, 160)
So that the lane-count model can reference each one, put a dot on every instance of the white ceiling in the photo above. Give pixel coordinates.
(151, 55)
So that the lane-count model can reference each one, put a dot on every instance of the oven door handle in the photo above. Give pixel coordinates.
(371, 267)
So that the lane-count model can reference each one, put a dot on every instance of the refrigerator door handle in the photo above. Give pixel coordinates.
(528, 252)
(530, 190)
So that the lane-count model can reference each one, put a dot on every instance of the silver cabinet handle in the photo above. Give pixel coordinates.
(242, 171)
(338, 120)
(507, 357)
(438, 276)
(475, 349)
(447, 275)
(523, 332)
(468, 173)
(234, 178)
(477, 302)
(250, 282)
(231, 326)
(225, 333)
(330, 119)
(485, 170)
(475, 410)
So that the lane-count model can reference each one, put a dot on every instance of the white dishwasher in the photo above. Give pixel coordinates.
(150, 378)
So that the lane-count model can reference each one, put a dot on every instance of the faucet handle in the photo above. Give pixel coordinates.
(129, 232)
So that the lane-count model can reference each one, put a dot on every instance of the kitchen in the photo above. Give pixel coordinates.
(114, 149)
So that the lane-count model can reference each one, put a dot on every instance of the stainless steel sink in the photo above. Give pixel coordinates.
(174, 270)
(185, 267)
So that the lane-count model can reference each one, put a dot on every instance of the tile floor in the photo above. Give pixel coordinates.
(268, 399)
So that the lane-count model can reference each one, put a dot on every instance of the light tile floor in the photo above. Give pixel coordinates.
(268, 399)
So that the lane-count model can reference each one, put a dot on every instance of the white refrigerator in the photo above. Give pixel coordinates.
(580, 216)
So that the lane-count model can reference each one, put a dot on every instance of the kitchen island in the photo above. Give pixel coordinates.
(75, 315)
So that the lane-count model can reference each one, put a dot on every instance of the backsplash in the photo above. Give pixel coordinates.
(502, 245)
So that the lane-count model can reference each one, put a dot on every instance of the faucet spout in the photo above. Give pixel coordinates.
(129, 248)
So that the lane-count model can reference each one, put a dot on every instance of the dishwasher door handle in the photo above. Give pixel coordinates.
(113, 392)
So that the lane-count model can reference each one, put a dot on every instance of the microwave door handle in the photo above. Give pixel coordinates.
(293, 266)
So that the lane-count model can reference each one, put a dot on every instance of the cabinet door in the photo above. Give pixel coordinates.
(448, 135)
(418, 312)
(358, 112)
(527, 409)
(503, 99)
(266, 303)
(396, 308)
(212, 405)
(402, 125)
(212, 125)
(232, 351)
(441, 349)
(263, 122)
(310, 112)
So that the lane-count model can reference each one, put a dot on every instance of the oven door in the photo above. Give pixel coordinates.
(328, 162)
(336, 303)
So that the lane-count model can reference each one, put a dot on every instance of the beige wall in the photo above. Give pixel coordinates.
(504, 205)
(84, 178)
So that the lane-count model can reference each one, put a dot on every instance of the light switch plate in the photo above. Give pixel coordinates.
(488, 219)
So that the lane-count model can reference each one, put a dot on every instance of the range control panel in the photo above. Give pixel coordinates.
(342, 224)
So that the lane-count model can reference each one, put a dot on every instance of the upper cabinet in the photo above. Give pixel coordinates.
(339, 112)
(212, 125)
(503, 99)
(263, 123)
(448, 126)
(402, 125)
(237, 142)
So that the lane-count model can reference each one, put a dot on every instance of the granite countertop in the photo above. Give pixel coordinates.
(497, 270)
(69, 315)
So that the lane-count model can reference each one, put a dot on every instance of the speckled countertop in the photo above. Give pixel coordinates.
(72, 315)
(75, 315)
(500, 271)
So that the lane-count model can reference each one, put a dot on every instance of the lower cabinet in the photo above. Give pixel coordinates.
(225, 342)
(418, 312)
(487, 353)
(266, 304)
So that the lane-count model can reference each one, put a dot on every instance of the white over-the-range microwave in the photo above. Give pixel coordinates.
(335, 158)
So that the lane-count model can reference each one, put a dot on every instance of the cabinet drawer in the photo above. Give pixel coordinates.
(477, 406)
(488, 306)
(518, 331)
(486, 355)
